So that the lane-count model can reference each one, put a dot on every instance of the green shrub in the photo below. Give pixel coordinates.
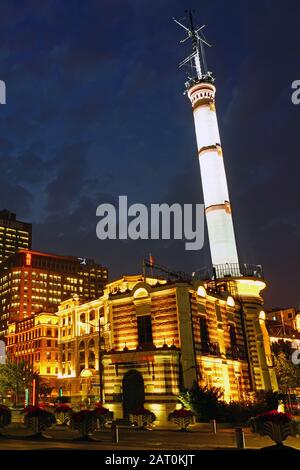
(206, 404)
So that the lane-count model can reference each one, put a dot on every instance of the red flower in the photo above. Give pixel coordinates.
(4, 410)
(63, 408)
(82, 415)
(100, 411)
(31, 408)
(182, 413)
(275, 417)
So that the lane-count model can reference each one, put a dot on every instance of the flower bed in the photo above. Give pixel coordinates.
(85, 422)
(103, 415)
(5, 416)
(141, 417)
(183, 418)
(38, 419)
(63, 414)
(278, 426)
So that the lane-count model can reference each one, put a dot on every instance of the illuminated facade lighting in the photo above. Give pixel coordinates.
(32, 281)
(152, 330)
(14, 234)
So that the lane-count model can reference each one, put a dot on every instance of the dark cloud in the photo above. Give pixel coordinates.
(95, 109)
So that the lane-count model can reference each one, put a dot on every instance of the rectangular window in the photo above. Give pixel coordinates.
(232, 334)
(144, 330)
(48, 370)
(204, 330)
(204, 335)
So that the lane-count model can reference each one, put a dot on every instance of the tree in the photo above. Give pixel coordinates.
(282, 346)
(202, 401)
(288, 374)
(15, 378)
(45, 390)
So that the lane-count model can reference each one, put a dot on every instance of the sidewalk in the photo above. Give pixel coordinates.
(134, 439)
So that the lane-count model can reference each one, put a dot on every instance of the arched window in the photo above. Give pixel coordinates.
(91, 360)
(92, 315)
(83, 324)
(81, 349)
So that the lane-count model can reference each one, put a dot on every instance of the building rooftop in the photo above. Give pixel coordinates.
(278, 329)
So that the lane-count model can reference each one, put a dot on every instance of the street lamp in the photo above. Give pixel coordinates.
(100, 354)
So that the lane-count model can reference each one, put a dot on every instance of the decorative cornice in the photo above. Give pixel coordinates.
(211, 148)
(226, 207)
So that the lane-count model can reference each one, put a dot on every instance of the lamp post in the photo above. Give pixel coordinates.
(99, 358)
(100, 362)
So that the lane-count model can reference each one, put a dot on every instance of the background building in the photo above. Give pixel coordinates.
(157, 336)
(14, 234)
(34, 340)
(32, 281)
(285, 316)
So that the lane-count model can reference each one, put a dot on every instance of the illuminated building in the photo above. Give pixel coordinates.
(34, 340)
(32, 281)
(14, 234)
(157, 336)
(279, 331)
(286, 316)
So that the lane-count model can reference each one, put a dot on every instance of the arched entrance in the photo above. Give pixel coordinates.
(133, 391)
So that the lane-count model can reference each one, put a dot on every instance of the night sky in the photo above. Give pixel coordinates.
(95, 109)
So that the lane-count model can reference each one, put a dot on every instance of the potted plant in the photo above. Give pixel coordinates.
(63, 413)
(183, 418)
(5, 416)
(141, 417)
(38, 420)
(278, 426)
(85, 422)
(103, 415)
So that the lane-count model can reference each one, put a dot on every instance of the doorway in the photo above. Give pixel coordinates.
(133, 391)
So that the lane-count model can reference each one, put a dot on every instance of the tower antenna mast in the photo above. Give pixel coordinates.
(197, 58)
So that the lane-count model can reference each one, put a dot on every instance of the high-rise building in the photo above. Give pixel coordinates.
(14, 234)
(32, 281)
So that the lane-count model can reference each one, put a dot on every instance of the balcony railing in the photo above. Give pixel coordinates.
(228, 270)
(237, 270)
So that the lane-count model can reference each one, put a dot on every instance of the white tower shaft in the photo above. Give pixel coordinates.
(216, 199)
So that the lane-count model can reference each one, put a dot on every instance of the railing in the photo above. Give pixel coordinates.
(238, 270)
(229, 270)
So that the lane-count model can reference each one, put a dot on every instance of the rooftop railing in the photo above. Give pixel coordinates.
(228, 270)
